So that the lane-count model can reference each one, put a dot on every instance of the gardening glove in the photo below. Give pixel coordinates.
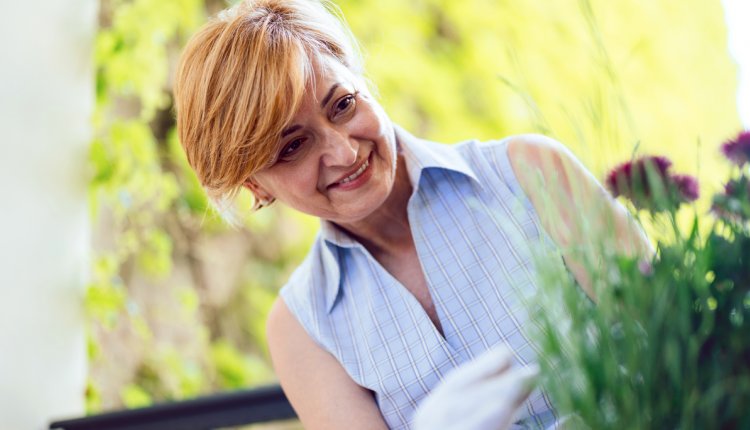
(483, 394)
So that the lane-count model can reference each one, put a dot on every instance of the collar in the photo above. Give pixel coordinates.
(419, 155)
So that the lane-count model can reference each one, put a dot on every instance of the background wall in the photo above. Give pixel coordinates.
(46, 101)
(737, 13)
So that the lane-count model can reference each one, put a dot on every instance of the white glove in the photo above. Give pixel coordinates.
(483, 394)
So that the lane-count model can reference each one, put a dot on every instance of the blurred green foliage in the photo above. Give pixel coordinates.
(187, 295)
(600, 76)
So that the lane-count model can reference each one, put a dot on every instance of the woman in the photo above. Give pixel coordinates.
(421, 263)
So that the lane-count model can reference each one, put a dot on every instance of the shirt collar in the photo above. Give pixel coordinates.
(419, 155)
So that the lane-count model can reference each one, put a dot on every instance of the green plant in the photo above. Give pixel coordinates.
(667, 343)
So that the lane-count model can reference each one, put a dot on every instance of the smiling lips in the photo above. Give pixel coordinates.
(353, 176)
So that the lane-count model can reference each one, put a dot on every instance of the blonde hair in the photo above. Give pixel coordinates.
(242, 77)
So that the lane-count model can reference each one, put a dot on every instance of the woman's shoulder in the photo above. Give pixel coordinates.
(313, 286)
(526, 156)
(520, 147)
(513, 157)
(537, 158)
(534, 148)
(517, 146)
(309, 292)
(315, 271)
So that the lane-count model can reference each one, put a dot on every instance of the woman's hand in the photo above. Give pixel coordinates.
(483, 394)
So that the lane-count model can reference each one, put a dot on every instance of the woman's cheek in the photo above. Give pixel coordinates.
(308, 179)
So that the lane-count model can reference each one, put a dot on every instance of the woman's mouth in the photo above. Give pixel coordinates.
(354, 179)
(356, 174)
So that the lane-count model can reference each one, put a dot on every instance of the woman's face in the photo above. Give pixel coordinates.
(337, 159)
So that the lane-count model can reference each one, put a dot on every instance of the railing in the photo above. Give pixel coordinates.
(236, 408)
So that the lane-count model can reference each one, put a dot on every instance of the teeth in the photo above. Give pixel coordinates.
(356, 174)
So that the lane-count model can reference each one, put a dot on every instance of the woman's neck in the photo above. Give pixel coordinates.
(387, 231)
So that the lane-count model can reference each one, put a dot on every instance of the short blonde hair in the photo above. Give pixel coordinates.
(242, 77)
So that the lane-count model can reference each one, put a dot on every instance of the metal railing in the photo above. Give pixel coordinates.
(235, 408)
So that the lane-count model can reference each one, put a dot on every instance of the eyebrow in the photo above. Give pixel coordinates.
(328, 96)
(289, 130)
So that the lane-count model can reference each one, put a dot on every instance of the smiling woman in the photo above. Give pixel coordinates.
(423, 259)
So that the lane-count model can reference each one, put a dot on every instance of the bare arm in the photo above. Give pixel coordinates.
(321, 392)
(575, 210)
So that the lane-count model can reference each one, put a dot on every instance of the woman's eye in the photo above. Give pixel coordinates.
(345, 104)
(291, 149)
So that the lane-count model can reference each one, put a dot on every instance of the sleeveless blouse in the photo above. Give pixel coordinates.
(474, 230)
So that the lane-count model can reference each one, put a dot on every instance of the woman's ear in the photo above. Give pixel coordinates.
(255, 188)
(261, 196)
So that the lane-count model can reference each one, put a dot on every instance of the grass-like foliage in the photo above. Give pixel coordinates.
(665, 344)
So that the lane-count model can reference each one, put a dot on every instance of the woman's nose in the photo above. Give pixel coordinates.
(340, 150)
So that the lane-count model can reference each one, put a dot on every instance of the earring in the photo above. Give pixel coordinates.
(261, 203)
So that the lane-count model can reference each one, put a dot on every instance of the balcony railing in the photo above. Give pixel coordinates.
(260, 405)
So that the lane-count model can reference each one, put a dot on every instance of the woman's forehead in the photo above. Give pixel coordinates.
(327, 73)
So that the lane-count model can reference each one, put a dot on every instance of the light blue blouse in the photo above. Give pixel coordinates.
(473, 226)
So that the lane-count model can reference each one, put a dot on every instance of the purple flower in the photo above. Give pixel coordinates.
(687, 186)
(738, 188)
(625, 178)
(647, 183)
(738, 150)
(734, 203)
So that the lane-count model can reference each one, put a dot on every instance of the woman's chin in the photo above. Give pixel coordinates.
(357, 212)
